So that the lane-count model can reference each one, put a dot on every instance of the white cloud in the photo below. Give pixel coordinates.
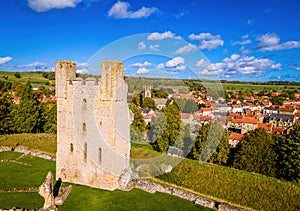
(246, 36)
(45, 5)
(120, 10)
(207, 41)
(154, 47)
(4, 60)
(294, 67)
(161, 36)
(271, 42)
(142, 71)
(160, 66)
(145, 64)
(141, 46)
(176, 63)
(210, 44)
(203, 36)
(189, 48)
(34, 66)
(202, 63)
(237, 65)
(242, 42)
(82, 68)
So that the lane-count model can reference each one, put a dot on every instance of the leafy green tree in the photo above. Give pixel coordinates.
(288, 150)
(180, 103)
(187, 140)
(5, 109)
(138, 125)
(277, 100)
(171, 133)
(190, 106)
(149, 103)
(211, 144)
(27, 116)
(50, 112)
(17, 75)
(256, 153)
(161, 94)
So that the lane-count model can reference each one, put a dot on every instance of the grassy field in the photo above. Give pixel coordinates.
(85, 198)
(253, 87)
(36, 78)
(39, 142)
(30, 172)
(216, 182)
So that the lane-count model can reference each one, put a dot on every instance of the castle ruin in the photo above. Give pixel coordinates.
(93, 140)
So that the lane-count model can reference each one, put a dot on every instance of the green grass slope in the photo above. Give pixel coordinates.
(235, 187)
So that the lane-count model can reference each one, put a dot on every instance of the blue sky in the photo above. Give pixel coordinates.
(253, 40)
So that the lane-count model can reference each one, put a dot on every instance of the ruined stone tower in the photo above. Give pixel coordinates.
(93, 140)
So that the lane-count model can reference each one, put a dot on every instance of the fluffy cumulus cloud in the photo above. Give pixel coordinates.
(176, 63)
(142, 71)
(245, 41)
(237, 65)
(154, 47)
(162, 36)
(141, 46)
(4, 60)
(207, 41)
(121, 10)
(271, 42)
(45, 5)
(145, 64)
(35, 66)
(189, 48)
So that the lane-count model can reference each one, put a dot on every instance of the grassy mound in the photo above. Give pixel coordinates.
(235, 186)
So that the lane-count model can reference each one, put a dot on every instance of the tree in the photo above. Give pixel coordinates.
(149, 103)
(187, 140)
(5, 109)
(256, 153)
(211, 144)
(161, 94)
(138, 125)
(27, 116)
(288, 150)
(17, 75)
(171, 133)
(50, 112)
(190, 106)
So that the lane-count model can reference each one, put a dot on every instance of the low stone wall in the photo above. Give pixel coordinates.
(16, 209)
(151, 187)
(28, 190)
(26, 151)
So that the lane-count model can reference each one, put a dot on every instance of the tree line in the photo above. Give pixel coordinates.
(28, 116)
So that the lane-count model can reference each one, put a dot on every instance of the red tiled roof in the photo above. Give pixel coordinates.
(234, 115)
(249, 120)
(267, 127)
(236, 136)
(236, 120)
